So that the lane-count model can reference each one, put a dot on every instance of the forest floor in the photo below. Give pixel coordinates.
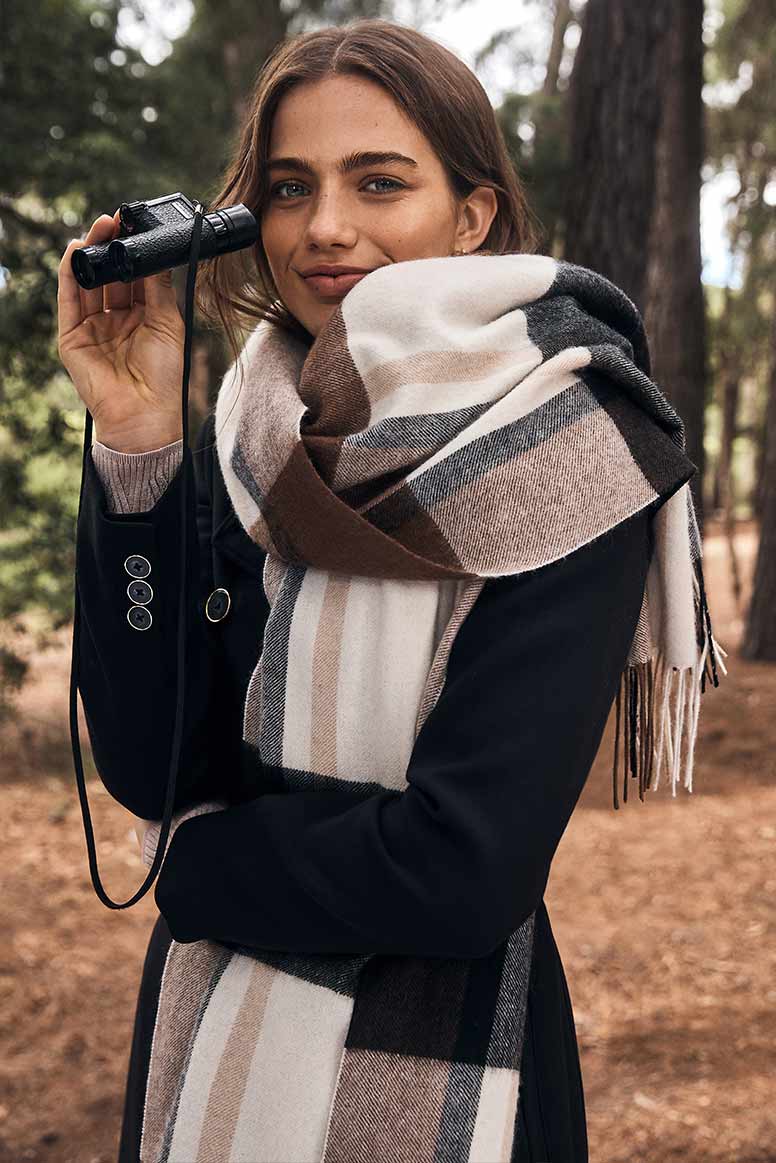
(664, 913)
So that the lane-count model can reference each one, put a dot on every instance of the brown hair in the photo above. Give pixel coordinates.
(433, 87)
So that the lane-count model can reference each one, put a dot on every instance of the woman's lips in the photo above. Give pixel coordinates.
(332, 286)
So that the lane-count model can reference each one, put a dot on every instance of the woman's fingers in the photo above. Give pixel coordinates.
(138, 290)
(101, 231)
(68, 292)
(118, 295)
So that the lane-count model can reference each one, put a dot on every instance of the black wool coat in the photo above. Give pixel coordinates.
(530, 682)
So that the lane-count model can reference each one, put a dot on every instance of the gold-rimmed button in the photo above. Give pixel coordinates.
(217, 605)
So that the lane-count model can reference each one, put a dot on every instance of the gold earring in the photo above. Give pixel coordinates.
(460, 252)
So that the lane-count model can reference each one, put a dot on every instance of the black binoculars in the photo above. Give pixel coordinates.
(155, 236)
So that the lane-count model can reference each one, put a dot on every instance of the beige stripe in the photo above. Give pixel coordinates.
(539, 526)
(326, 665)
(511, 1102)
(228, 1088)
(405, 381)
(374, 1093)
(187, 972)
(272, 407)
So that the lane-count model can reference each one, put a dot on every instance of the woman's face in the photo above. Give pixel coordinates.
(373, 212)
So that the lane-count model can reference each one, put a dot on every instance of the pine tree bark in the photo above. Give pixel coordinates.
(674, 310)
(759, 639)
(614, 103)
(633, 212)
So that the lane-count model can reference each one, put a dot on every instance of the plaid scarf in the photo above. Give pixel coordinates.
(455, 419)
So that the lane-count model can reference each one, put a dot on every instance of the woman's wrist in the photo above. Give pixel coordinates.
(139, 443)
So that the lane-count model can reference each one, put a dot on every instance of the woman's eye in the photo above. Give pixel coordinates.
(276, 189)
(394, 184)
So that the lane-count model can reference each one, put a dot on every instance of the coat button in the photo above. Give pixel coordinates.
(217, 605)
(139, 617)
(137, 566)
(140, 592)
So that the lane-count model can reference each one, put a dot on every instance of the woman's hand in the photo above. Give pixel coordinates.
(123, 347)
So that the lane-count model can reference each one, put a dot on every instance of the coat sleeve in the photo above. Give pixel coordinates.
(456, 861)
(128, 677)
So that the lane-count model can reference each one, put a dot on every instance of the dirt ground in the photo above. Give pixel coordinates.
(664, 913)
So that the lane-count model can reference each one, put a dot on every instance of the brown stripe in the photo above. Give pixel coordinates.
(311, 525)
(331, 387)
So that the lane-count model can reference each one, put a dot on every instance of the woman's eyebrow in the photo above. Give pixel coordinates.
(353, 161)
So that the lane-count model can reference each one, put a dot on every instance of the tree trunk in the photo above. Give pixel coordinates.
(675, 310)
(726, 492)
(560, 23)
(759, 641)
(633, 212)
(614, 106)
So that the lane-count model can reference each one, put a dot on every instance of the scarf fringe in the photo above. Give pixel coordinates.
(655, 698)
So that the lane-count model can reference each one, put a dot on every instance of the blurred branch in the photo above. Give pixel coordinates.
(51, 231)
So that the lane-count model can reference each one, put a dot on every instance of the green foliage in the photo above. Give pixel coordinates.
(93, 125)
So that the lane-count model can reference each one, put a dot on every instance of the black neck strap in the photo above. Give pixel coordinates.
(182, 610)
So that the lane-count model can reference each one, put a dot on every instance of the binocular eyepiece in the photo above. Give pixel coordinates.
(156, 235)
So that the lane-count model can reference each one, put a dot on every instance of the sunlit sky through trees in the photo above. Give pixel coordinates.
(466, 31)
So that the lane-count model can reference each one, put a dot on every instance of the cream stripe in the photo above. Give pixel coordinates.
(293, 1074)
(494, 1126)
(677, 635)
(399, 623)
(211, 1041)
(471, 306)
(440, 381)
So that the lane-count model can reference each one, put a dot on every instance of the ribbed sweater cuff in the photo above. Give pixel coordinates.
(153, 829)
(134, 481)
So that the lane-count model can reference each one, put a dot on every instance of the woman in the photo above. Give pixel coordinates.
(363, 969)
